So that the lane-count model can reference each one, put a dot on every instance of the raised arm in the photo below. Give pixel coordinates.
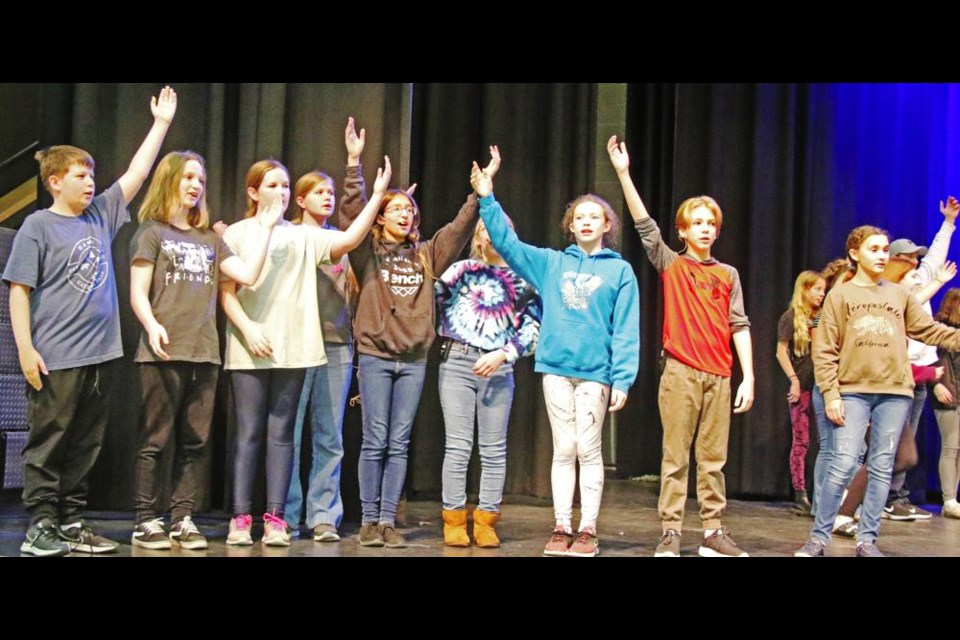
(447, 244)
(163, 110)
(528, 261)
(350, 238)
(937, 254)
(942, 275)
(657, 250)
(620, 160)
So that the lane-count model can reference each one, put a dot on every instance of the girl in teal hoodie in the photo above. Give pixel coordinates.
(589, 348)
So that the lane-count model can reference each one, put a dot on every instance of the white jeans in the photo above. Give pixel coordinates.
(576, 409)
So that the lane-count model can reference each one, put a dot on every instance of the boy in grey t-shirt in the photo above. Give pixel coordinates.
(65, 317)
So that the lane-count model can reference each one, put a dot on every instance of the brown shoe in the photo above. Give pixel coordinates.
(721, 545)
(559, 543)
(370, 535)
(391, 537)
(585, 546)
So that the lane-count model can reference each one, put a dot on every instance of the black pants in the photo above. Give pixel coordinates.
(178, 400)
(67, 420)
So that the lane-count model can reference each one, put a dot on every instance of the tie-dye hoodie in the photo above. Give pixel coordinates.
(591, 305)
(488, 307)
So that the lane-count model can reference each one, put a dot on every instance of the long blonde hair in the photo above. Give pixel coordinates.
(802, 311)
(163, 196)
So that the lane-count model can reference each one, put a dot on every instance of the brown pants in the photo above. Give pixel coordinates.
(691, 399)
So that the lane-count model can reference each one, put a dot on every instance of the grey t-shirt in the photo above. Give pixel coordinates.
(67, 261)
(183, 294)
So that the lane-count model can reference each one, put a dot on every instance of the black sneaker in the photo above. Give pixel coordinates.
(82, 538)
(186, 534)
(150, 534)
(42, 540)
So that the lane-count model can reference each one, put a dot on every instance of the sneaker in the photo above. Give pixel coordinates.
(905, 511)
(559, 543)
(239, 533)
(721, 545)
(669, 546)
(42, 540)
(150, 535)
(868, 550)
(391, 537)
(275, 531)
(585, 546)
(293, 532)
(370, 535)
(812, 549)
(846, 530)
(80, 537)
(187, 535)
(325, 533)
(951, 510)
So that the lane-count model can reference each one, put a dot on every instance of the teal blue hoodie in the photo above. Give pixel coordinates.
(591, 305)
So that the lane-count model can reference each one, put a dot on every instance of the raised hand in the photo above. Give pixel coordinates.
(618, 154)
(946, 272)
(481, 182)
(354, 142)
(950, 210)
(219, 227)
(411, 189)
(494, 165)
(164, 107)
(382, 183)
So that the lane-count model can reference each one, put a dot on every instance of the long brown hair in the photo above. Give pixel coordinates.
(163, 196)
(949, 311)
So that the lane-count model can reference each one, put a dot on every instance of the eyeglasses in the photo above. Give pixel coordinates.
(398, 209)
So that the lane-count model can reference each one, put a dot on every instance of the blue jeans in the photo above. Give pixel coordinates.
(899, 491)
(464, 397)
(825, 453)
(266, 404)
(390, 393)
(886, 414)
(325, 390)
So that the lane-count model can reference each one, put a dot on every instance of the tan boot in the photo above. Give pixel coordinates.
(455, 528)
(483, 532)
